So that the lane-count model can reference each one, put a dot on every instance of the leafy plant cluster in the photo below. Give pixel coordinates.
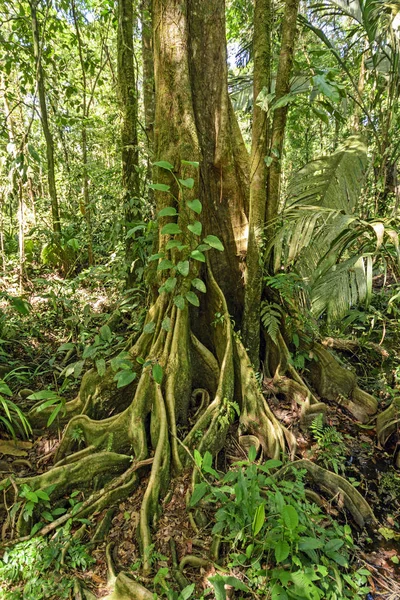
(185, 243)
(285, 545)
(331, 449)
(41, 568)
(11, 416)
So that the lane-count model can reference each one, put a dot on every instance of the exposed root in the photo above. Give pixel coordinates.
(337, 384)
(387, 422)
(337, 487)
(193, 561)
(204, 376)
(256, 417)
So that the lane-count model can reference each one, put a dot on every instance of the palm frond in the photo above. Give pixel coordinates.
(324, 240)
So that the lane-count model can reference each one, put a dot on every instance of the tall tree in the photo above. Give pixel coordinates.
(41, 88)
(265, 180)
(258, 178)
(129, 114)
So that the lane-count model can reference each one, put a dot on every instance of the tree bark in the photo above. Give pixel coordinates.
(280, 114)
(129, 114)
(224, 171)
(85, 205)
(45, 121)
(148, 70)
(258, 179)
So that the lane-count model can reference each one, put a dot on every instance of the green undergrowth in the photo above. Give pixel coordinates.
(280, 545)
(43, 568)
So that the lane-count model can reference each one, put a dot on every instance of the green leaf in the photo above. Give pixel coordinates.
(31, 496)
(278, 593)
(4, 389)
(170, 284)
(101, 366)
(171, 229)
(282, 550)
(160, 187)
(272, 463)
(187, 183)
(42, 495)
(89, 352)
(195, 228)
(149, 327)
(333, 545)
(199, 491)
(157, 372)
(124, 378)
(183, 267)
(105, 333)
(198, 459)
(195, 205)
(268, 160)
(168, 211)
(179, 301)
(166, 324)
(47, 516)
(199, 285)
(218, 583)
(20, 305)
(163, 164)
(164, 265)
(309, 543)
(252, 453)
(214, 242)
(175, 244)
(43, 395)
(290, 517)
(192, 163)
(197, 255)
(192, 298)
(186, 592)
(54, 414)
(156, 256)
(67, 346)
(33, 153)
(259, 519)
(78, 367)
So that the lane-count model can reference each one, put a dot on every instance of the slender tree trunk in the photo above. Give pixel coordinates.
(280, 114)
(148, 70)
(2, 249)
(85, 205)
(146, 8)
(258, 179)
(45, 121)
(129, 114)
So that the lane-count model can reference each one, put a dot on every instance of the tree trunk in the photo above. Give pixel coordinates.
(148, 70)
(258, 179)
(85, 205)
(129, 113)
(146, 16)
(279, 120)
(45, 122)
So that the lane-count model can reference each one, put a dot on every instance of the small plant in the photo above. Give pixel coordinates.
(287, 546)
(271, 317)
(11, 416)
(331, 449)
(47, 399)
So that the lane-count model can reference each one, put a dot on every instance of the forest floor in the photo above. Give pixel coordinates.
(70, 314)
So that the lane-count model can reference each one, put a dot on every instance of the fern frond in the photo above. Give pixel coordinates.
(271, 317)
